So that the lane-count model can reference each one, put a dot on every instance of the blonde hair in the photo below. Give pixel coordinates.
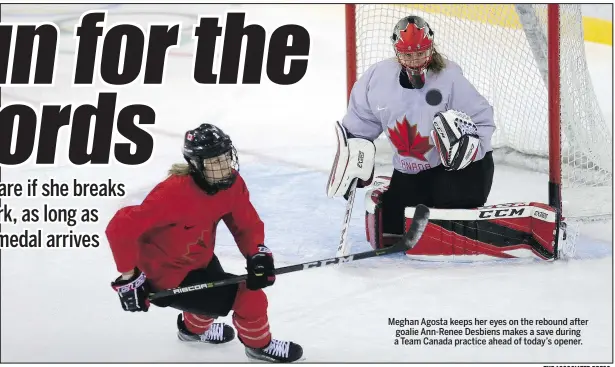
(179, 169)
(437, 63)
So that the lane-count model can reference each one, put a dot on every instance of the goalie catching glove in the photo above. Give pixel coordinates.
(354, 160)
(456, 139)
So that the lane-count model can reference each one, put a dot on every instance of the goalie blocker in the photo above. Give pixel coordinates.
(512, 230)
(354, 160)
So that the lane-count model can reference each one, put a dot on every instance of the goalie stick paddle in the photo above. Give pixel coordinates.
(408, 241)
(344, 247)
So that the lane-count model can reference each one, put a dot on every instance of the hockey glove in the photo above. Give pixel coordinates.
(133, 292)
(261, 271)
(456, 139)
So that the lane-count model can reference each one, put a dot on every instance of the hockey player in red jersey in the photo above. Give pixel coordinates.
(168, 241)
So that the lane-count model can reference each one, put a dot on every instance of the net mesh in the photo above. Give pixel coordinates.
(502, 50)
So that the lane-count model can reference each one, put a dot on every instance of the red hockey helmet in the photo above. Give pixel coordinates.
(413, 43)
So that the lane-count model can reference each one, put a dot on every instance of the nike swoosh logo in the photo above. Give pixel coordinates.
(188, 227)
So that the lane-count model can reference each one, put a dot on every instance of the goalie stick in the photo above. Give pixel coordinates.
(408, 241)
(344, 247)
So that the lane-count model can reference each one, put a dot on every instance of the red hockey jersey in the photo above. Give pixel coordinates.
(173, 231)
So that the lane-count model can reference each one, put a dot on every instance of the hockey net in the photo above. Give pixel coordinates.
(504, 50)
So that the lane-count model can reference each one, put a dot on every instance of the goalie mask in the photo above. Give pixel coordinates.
(212, 158)
(413, 43)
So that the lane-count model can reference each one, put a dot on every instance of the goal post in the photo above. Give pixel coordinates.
(553, 91)
(529, 61)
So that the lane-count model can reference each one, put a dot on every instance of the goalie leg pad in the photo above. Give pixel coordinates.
(373, 215)
(355, 159)
(516, 230)
(373, 227)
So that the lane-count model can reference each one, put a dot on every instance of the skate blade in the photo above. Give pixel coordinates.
(256, 360)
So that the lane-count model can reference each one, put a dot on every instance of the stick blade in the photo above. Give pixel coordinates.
(419, 222)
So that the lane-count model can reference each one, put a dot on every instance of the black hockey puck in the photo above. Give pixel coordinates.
(433, 97)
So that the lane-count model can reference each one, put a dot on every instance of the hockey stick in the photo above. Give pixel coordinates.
(408, 241)
(344, 248)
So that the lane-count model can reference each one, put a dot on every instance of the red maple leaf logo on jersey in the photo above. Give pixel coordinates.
(200, 242)
(408, 141)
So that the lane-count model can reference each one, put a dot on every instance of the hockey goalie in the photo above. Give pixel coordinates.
(440, 128)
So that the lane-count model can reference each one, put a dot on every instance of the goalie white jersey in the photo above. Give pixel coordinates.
(379, 103)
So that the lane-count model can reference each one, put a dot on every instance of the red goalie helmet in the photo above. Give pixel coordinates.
(413, 43)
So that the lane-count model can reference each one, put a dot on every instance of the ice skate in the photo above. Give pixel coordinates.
(218, 333)
(279, 351)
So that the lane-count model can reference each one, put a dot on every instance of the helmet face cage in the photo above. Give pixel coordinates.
(413, 44)
(415, 62)
(221, 171)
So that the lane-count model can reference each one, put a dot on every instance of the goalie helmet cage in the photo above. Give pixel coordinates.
(529, 62)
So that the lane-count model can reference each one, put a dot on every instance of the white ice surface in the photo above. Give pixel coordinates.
(57, 305)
